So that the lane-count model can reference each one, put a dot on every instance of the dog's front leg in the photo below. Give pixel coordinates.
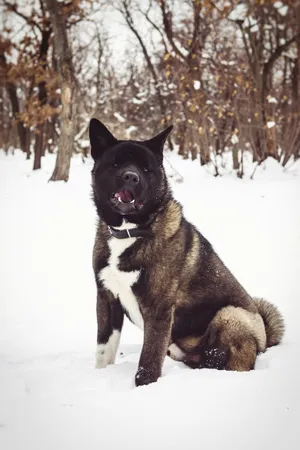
(110, 317)
(157, 333)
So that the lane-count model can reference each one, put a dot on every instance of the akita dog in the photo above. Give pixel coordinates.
(153, 265)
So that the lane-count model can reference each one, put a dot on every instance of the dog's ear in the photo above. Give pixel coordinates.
(156, 144)
(100, 138)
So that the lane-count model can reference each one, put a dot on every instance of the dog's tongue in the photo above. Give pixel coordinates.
(125, 196)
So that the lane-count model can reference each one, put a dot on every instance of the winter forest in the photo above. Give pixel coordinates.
(226, 73)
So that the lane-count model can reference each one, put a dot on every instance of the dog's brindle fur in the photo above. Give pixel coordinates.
(186, 295)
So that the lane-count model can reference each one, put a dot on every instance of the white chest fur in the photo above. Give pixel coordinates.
(119, 282)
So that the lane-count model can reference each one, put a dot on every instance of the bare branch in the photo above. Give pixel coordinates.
(278, 52)
(128, 17)
(146, 15)
(167, 22)
(13, 7)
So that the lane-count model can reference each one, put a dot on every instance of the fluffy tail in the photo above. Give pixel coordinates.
(273, 321)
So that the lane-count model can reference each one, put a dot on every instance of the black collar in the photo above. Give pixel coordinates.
(130, 233)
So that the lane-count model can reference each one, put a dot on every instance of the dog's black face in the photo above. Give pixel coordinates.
(128, 177)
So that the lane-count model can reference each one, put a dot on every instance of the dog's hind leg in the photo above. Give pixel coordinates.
(199, 351)
(237, 333)
(186, 350)
(110, 317)
(232, 341)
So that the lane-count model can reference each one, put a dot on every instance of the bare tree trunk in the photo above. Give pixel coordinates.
(11, 88)
(43, 95)
(181, 138)
(23, 132)
(68, 92)
(38, 147)
(235, 157)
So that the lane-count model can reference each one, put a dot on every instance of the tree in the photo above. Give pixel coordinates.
(69, 89)
(267, 33)
(11, 88)
(46, 31)
(31, 68)
(225, 72)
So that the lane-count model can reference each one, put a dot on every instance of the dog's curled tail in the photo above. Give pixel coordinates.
(273, 320)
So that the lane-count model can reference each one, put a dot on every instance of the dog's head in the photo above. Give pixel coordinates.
(128, 176)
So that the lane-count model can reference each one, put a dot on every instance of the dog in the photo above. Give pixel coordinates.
(155, 267)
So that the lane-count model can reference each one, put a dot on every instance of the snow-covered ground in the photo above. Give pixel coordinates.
(52, 398)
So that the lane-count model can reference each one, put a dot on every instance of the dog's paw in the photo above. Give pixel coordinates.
(103, 356)
(145, 376)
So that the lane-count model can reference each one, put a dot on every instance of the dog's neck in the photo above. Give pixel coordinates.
(129, 230)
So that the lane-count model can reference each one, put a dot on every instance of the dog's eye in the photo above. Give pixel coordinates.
(145, 169)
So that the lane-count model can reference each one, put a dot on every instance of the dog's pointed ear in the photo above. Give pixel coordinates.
(100, 138)
(156, 144)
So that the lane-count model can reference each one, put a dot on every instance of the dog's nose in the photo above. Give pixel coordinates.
(131, 177)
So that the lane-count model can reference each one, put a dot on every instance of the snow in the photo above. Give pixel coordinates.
(227, 63)
(271, 99)
(254, 28)
(137, 101)
(234, 139)
(278, 5)
(197, 85)
(252, 23)
(281, 8)
(130, 130)
(119, 117)
(52, 397)
(84, 143)
(271, 124)
(239, 12)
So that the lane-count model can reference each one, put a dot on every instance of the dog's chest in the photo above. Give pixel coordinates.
(119, 282)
